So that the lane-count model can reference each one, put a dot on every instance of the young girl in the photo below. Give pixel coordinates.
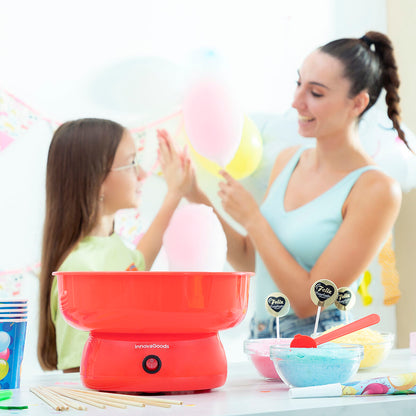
(91, 174)
(328, 207)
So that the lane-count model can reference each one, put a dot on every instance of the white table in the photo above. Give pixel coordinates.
(244, 393)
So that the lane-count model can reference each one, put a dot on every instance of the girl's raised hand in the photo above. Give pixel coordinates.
(176, 167)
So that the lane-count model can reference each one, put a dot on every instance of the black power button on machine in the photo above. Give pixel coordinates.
(151, 364)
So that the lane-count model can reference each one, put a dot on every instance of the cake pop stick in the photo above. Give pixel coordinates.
(323, 293)
(345, 300)
(277, 304)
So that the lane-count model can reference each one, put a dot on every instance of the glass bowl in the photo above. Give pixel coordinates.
(329, 363)
(377, 345)
(376, 352)
(259, 352)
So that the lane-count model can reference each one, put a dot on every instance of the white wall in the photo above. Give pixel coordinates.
(48, 46)
(58, 56)
(401, 28)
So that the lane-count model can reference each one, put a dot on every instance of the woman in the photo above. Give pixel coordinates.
(328, 207)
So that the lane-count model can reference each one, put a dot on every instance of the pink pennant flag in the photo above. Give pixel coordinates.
(5, 140)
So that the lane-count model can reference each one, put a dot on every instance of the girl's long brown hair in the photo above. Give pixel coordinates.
(80, 156)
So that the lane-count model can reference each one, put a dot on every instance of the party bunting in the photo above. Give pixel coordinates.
(15, 118)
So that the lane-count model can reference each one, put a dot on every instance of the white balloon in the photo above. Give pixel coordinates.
(381, 142)
(149, 87)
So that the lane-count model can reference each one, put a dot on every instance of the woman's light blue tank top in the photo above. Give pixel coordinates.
(305, 231)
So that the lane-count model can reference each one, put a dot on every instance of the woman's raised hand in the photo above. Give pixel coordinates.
(237, 201)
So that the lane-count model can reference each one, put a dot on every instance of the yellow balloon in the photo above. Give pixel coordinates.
(4, 369)
(247, 156)
(363, 289)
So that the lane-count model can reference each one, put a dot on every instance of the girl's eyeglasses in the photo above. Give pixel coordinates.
(133, 165)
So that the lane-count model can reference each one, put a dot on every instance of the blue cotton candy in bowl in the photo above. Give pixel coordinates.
(329, 363)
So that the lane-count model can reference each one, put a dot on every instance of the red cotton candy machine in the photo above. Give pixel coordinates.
(153, 331)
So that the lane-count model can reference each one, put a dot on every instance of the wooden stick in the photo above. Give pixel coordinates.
(45, 392)
(69, 402)
(155, 399)
(85, 398)
(143, 399)
(46, 399)
(94, 395)
(133, 401)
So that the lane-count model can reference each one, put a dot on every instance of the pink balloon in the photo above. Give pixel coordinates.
(4, 355)
(212, 120)
(195, 240)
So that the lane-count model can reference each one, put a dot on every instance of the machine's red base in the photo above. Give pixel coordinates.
(153, 363)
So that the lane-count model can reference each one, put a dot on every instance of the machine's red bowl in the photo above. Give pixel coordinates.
(153, 302)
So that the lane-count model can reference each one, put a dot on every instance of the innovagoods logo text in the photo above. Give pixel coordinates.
(145, 346)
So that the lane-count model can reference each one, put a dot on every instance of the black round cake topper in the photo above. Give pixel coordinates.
(345, 299)
(277, 304)
(324, 292)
